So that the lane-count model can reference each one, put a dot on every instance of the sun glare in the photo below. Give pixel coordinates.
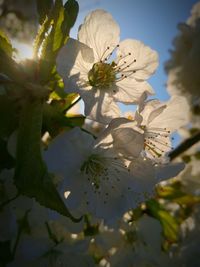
(24, 51)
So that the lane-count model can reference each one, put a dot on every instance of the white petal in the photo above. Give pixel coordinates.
(174, 115)
(99, 31)
(65, 145)
(151, 109)
(73, 63)
(130, 91)
(99, 106)
(105, 139)
(139, 61)
(167, 171)
(145, 178)
(127, 140)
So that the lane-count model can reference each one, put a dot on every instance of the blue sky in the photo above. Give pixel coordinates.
(153, 22)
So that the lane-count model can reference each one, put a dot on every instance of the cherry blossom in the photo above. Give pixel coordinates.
(87, 66)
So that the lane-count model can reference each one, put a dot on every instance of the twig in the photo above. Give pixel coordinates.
(185, 145)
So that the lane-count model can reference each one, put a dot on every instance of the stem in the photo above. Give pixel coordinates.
(185, 146)
(74, 103)
(21, 227)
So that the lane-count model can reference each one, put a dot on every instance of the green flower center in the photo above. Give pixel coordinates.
(102, 75)
(94, 167)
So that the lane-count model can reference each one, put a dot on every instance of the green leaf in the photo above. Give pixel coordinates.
(76, 120)
(6, 160)
(31, 176)
(62, 19)
(43, 8)
(5, 252)
(55, 120)
(41, 35)
(168, 222)
(8, 116)
(66, 102)
(71, 13)
(9, 67)
(5, 44)
(188, 200)
(170, 191)
(54, 39)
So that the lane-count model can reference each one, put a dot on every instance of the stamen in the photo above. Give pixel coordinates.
(154, 138)
(99, 170)
(101, 59)
(108, 48)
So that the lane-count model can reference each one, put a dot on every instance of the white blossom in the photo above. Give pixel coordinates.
(155, 121)
(140, 245)
(184, 63)
(99, 181)
(87, 67)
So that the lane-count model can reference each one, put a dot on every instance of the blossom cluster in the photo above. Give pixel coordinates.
(118, 170)
(114, 180)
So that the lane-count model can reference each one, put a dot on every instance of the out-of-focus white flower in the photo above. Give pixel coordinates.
(99, 180)
(187, 253)
(85, 68)
(19, 19)
(195, 14)
(183, 67)
(140, 245)
(152, 123)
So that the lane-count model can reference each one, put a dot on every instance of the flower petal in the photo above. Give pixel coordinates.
(166, 171)
(99, 106)
(99, 31)
(130, 91)
(65, 145)
(145, 179)
(174, 115)
(136, 59)
(73, 63)
(151, 109)
(127, 140)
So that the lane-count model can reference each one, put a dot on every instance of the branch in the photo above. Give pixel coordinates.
(185, 145)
